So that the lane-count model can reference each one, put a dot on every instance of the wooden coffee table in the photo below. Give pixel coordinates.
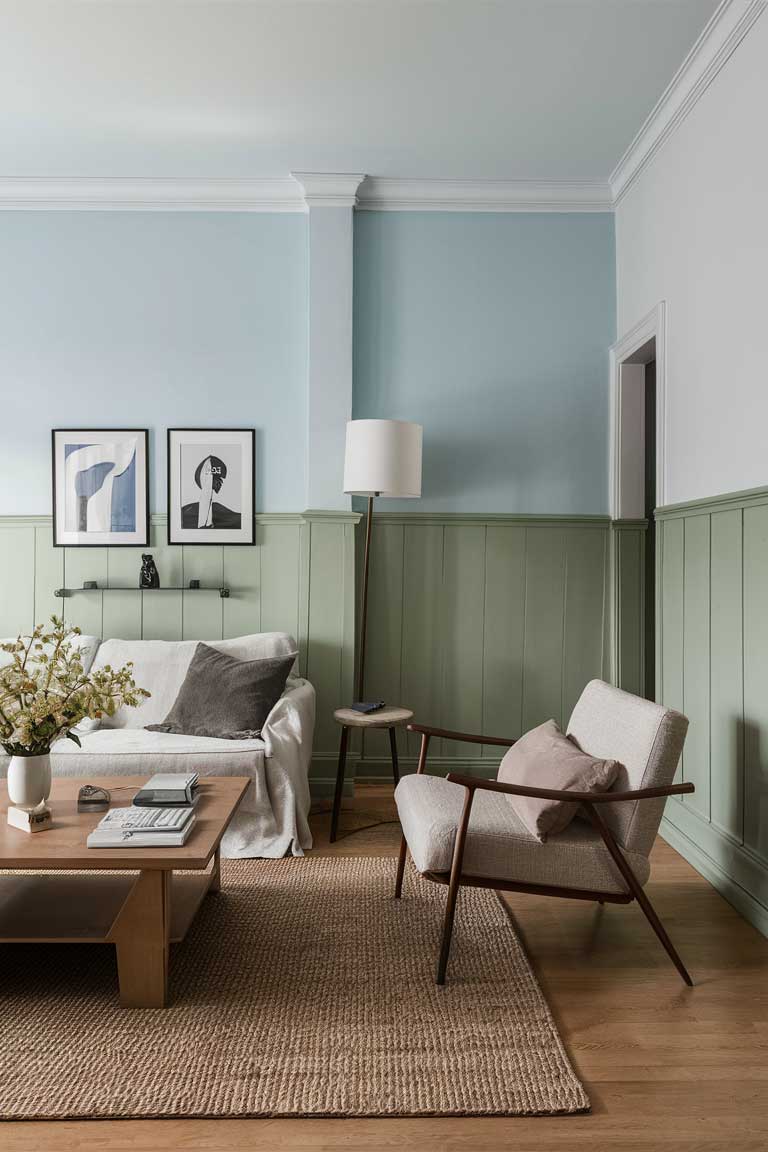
(143, 900)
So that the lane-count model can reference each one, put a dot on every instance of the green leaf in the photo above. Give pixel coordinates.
(74, 737)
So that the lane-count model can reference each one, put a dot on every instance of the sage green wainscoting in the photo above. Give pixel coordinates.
(299, 578)
(712, 653)
(479, 623)
(487, 624)
(628, 604)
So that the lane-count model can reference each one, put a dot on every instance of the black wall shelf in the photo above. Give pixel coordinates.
(62, 593)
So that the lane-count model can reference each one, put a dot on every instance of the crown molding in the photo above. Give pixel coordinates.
(393, 195)
(147, 194)
(728, 26)
(298, 193)
(329, 189)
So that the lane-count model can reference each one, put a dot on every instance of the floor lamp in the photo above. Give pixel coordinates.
(382, 458)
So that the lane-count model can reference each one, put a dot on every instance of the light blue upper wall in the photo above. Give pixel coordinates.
(492, 330)
(155, 320)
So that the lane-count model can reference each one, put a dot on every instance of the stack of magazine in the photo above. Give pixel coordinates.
(162, 816)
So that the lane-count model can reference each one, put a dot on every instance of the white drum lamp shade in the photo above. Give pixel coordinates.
(383, 458)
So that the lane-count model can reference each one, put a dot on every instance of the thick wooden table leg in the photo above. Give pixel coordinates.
(215, 884)
(140, 934)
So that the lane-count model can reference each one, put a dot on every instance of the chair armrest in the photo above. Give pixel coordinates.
(466, 737)
(473, 782)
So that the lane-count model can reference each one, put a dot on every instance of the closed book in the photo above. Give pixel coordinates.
(147, 799)
(167, 788)
(140, 838)
(134, 827)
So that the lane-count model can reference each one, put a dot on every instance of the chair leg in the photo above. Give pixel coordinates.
(401, 867)
(445, 945)
(453, 886)
(661, 932)
(339, 783)
(637, 891)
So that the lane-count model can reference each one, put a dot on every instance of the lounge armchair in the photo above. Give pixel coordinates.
(464, 830)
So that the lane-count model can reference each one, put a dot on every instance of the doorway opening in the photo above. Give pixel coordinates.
(637, 462)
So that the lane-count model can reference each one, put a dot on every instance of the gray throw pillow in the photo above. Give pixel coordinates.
(225, 697)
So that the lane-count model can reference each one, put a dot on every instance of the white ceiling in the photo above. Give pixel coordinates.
(472, 89)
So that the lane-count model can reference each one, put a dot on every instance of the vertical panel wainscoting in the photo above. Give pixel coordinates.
(712, 645)
(483, 624)
(299, 578)
(628, 604)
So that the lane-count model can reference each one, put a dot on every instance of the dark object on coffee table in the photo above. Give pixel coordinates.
(92, 799)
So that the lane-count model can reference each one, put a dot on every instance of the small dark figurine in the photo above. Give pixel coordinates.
(148, 577)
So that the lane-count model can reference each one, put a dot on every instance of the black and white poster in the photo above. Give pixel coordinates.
(210, 485)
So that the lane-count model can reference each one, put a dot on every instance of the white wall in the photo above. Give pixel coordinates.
(693, 230)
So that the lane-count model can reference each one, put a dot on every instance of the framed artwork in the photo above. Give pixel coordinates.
(211, 485)
(100, 487)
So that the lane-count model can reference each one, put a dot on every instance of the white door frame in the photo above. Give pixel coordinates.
(654, 325)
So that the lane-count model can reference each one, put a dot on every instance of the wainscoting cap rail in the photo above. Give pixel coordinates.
(748, 496)
(530, 519)
(343, 516)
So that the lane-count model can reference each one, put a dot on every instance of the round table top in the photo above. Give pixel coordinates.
(387, 717)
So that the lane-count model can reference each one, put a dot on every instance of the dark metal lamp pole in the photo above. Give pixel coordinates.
(364, 599)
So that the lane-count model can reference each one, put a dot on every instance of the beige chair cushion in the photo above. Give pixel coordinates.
(545, 758)
(645, 738)
(498, 843)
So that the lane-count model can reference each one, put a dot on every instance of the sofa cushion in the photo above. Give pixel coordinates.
(545, 758)
(134, 751)
(225, 697)
(498, 843)
(161, 665)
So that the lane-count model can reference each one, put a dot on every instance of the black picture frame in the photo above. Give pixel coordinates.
(142, 538)
(221, 536)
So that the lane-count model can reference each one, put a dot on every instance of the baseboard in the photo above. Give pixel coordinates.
(744, 903)
(370, 768)
(322, 788)
(378, 770)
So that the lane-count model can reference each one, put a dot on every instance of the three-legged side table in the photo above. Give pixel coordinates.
(388, 717)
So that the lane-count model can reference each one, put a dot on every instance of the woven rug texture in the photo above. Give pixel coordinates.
(302, 989)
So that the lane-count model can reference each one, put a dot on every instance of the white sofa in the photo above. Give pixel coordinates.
(272, 820)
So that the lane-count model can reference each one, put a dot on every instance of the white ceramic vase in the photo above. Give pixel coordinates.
(29, 780)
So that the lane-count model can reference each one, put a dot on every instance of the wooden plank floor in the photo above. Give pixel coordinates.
(667, 1068)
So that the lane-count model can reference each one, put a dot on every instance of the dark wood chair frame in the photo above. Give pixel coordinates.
(591, 801)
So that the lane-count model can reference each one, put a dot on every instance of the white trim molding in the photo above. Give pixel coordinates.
(270, 194)
(390, 195)
(652, 326)
(298, 193)
(720, 38)
(329, 189)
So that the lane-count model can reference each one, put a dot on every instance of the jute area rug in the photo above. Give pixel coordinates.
(302, 989)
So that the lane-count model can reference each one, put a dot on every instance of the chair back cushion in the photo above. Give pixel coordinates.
(545, 758)
(646, 739)
(160, 666)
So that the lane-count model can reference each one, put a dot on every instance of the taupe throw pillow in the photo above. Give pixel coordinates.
(225, 697)
(546, 758)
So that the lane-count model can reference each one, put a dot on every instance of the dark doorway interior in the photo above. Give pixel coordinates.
(650, 538)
